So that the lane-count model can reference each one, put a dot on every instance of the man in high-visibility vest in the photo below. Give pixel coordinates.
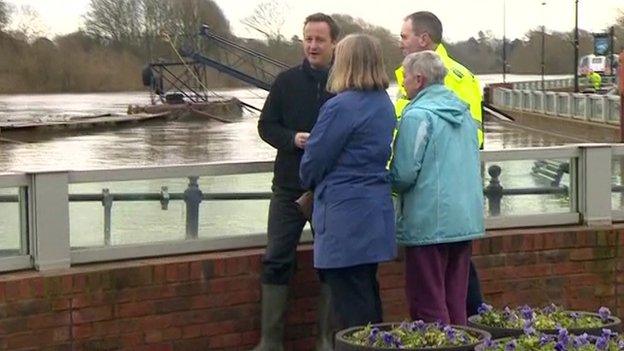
(423, 31)
(594, 79)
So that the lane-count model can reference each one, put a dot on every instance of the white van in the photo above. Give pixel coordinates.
(592, 62)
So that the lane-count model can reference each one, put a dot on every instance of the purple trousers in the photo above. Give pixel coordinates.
(436, 281)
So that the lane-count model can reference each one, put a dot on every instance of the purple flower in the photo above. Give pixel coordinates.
(544, 339)
(509, 315)
(450, 333)
(550, 308)
(559, 346)
(529, 330)
(372, 337)
(528, 327)
(575, 315)
(607, 333)
(563, 336)
(604, 313)
(484, 308)
(387, 338)
(621, 344)
(526, 312)
(580, 340)
(510, 346)
(489, 343)
(602, 343)
(418, 325)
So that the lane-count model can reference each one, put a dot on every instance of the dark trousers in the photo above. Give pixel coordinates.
(436, 281)
(284, 231)
(474, 298)
(355, 294)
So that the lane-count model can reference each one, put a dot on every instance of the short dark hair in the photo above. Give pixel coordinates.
(424, 21)
(334, 30)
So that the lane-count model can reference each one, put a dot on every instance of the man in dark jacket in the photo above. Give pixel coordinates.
(289, 113)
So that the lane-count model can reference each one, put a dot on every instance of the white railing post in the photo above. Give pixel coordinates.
(49, 219)
(594, 184)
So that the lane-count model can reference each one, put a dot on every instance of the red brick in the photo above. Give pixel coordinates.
(92, 314)
(196, 271)
(134, 309)
(583, 254)
(44, 321)
(191, 331)
(155, 347)
(132, 340)
(82, 331)
(565, 268)
(212, 329)
(153, 336)
(227, 340)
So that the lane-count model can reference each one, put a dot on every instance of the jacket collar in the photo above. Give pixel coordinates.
(320, 75)
(441, 51)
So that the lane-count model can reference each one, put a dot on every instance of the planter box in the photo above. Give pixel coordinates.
(615, 324)
(342, 343)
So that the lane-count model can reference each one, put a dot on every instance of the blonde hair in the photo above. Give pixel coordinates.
(358, 65)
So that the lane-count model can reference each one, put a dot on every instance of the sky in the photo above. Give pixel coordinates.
(461, 18)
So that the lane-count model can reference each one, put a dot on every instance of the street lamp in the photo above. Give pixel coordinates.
(504, 44)
(543, 46)
(576, 46)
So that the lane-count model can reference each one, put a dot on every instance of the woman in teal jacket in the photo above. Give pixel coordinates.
(436, 173)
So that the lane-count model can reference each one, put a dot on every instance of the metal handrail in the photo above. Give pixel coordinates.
(46, 198)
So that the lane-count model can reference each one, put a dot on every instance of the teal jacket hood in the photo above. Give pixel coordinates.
(441, 101)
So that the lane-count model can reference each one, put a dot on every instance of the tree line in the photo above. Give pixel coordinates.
(120, 36)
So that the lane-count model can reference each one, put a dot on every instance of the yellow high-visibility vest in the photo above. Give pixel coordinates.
(595, 80)
(459, 80)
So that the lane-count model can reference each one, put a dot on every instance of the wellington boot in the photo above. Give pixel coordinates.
(274, 302)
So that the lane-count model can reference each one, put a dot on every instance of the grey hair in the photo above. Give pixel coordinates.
(426, 63)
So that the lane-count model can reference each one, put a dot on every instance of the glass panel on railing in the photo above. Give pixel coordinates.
(517, 96)
(562, 104)
(613, 114)
(148, 211)
(617, 185)
(12, 237)
(537, 102)
(526, 100)
(579, 106)
(550, 103)
(526, 187)
(596, 109)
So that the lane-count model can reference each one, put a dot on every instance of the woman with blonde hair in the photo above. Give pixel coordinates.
(345, 164)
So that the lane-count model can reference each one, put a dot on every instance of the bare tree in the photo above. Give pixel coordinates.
(4, 14)
(114, 20)
(28, 24)
(268, 18)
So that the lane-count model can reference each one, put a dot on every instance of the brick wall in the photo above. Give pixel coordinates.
(211, 301)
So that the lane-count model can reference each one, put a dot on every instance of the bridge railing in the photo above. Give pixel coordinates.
(589, 107)
(57, 219)
(557, 83)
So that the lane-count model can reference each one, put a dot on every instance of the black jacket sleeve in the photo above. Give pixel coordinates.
(271, 123)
